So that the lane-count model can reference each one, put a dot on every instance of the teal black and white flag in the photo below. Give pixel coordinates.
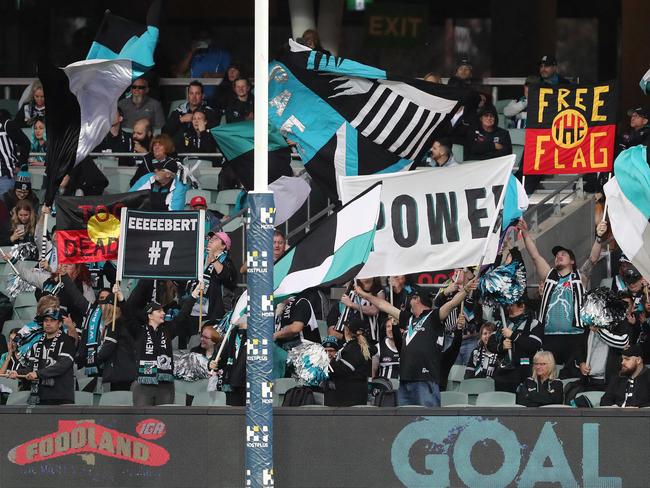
(628, 203)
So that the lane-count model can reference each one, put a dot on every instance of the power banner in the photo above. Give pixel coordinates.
(161, 245)
(88, 228)
(437, 218)
(570, 129)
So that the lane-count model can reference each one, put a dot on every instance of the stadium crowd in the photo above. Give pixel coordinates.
(382, 332)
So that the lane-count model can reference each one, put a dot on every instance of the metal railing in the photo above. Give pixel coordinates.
(557, 198)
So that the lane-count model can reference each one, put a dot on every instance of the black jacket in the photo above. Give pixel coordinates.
(174, 125)
(534, 393)
(349, 372)
(480, 144)
(638, 391)
(617, 339)
(234, 365)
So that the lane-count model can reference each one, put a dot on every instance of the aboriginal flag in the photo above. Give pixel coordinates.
(570, 129)
(88, 228)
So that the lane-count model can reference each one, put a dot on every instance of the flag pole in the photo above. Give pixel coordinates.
(114, 306)
(200, 308)
(44, 236)
(259, 242)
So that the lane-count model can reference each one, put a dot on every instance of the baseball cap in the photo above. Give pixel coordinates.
(54, 313)
(225, 238)
(640, 111)
(633, 350)
(464, 61)
(331, 341)
(631, 275)
(198, 200)
(169, 164)
(548, 60)
(557, 249)
(356, 325)
(152, 307)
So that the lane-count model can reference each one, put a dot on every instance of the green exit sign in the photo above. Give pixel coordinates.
(358, 4)
(396, 25)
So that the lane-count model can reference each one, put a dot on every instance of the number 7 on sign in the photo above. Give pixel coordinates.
(154, 252)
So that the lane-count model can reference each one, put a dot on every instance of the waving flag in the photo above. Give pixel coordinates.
(350, 119)
(628, 203)
(236, 143)
(82, 97)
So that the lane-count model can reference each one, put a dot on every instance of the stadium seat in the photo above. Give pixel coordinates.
(25, 313)
(458, 151)
(18, 398)
(501, 104)
(283, 385)
(207, 194)
(83, 382)
(517, 136)
(174, 105)
(496, 399)
(25, 299)
(448, 398)
(593, 396)
(192, 388)
(209, 399)
(455, 377)
(395, 383)
(518, 151)
(12, 324)
(116, 398)
(28, 132)
(474, 386)
(503, 121)
(83, 398)
(194, 341)
(9, 383)
(322, 328)
(10, 105)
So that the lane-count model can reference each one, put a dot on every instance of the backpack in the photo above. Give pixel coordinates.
(382, 393)
(299, 396)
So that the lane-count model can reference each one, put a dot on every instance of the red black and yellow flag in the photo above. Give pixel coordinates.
(88, 228)
(570, 129)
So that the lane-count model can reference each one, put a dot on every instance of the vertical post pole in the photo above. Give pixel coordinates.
(259, 257)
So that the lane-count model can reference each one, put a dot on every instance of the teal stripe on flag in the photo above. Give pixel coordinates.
(511, 209)
(633, 176)
(355, 250)
(237, 138)
(281, 268)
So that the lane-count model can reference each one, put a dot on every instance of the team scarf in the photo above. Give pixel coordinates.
(28, 335)
(155, 359)
(221, 258)
(95, 327)
(42, 353)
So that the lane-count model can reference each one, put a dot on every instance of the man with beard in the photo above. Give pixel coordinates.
(631, 388)
(562, 294)
(141, 140)
(181, 119)
(140, 106)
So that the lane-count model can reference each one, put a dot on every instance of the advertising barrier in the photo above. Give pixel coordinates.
(314, 447)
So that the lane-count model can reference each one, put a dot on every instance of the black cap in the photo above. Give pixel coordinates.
(631, 275)
(356, 325)
(640, 111)
(422, 293)
(170, 164)
(488, 108)
(464, 61)
(633, 350)
(152, 307)
(557, 249)
(548, 60)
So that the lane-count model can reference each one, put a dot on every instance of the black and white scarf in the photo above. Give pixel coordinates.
(94, 326)
(41, 353)
(156, 364)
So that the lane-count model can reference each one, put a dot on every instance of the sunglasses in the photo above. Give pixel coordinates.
(138, 87)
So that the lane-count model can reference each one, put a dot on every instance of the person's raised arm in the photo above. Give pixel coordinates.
(380, 303)
(540, 263)
(594, 254)
(446, 309)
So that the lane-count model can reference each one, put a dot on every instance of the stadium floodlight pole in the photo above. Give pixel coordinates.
(259, 259)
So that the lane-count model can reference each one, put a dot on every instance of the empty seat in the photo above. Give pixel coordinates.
(83, 398)
(209, 399)
(455, 377)
(593, 396)
(18, 398)
(474, 386)
(448, 398)
(500, 104)
(496, 399)
(116, 398)
(517, 136)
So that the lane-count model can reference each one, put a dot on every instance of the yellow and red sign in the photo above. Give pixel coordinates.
(570, 129)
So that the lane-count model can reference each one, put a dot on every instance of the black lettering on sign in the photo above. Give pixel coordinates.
(476, 214)
(443, 214)
(405, 204)
(496, 191)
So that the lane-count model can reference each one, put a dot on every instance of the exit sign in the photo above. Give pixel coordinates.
(396, 25)
(358, 4)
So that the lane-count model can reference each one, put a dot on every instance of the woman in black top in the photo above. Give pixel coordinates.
(350, 370)
(210, 341)
(482, 362)
(23, 223)
(542, 388)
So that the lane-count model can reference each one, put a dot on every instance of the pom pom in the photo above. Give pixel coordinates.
(190, 366)
(602, 308)
(503, 285)
(310, 363)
